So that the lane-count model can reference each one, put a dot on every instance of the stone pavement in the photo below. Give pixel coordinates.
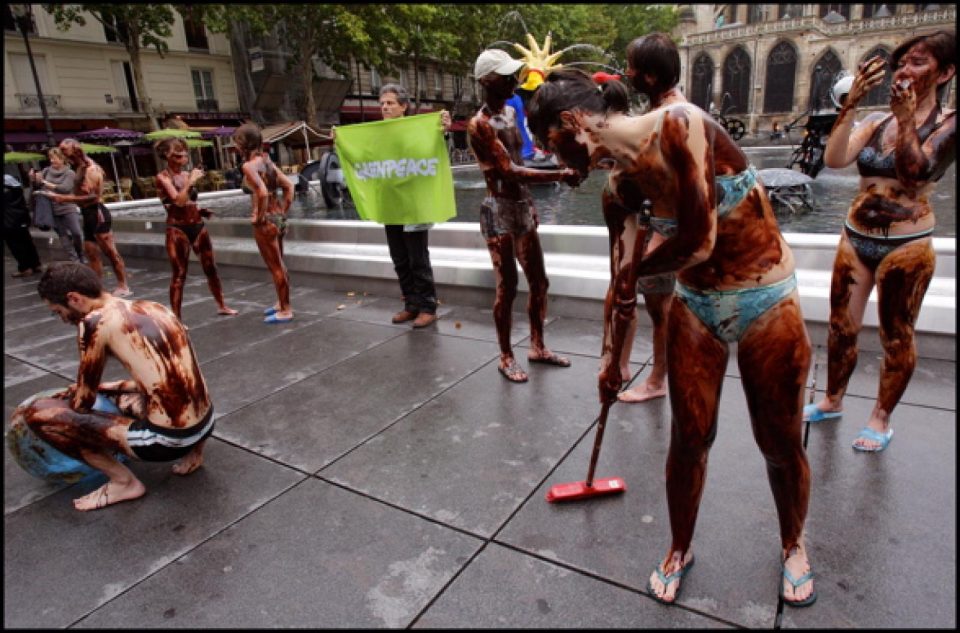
(367, 475)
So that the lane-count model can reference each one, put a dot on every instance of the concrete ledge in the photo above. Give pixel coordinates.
(576, 259)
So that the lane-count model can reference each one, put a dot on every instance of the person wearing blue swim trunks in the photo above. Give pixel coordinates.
(886, 240)
(165, 412)
(735, 283)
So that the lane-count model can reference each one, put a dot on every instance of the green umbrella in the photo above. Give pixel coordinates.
(90, 148)
(157, 135)
(21, 157)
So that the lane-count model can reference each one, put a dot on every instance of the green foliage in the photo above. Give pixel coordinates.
(136, 25)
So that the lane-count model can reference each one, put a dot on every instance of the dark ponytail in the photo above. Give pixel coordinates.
(569, 89)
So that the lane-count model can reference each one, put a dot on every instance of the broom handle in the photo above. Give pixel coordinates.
(601, 424)
(813, 395)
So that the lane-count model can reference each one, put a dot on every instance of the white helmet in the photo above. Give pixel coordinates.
(841, 87)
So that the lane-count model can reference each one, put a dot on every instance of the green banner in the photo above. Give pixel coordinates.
(398, 170)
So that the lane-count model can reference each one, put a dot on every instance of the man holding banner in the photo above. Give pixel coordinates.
(508, 218)
(399, 174)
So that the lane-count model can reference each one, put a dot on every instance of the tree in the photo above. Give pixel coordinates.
(138, 26)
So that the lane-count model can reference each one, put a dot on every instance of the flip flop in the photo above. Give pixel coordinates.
(796, 582)
(666, 580)
(812, 414)
(551, 359)
(273, 319)
(269, 311)
(512, 371)
(883, 439)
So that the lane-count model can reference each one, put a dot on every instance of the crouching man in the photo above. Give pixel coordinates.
(165, 413)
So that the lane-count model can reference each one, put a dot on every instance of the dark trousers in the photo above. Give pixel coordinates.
(411, 260)
(20, 243)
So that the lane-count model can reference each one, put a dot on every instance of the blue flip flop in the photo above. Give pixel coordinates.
(666, 580)
(273, 319)
(269, 311)
(883, 439)
(796, 582)
(812, 414)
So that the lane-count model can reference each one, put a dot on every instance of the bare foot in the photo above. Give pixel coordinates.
(109, 494)
(664, 583)
(546, 356)
(122, 291)
(224, 310)
(190, 462)
(643, 392)
(797, 578)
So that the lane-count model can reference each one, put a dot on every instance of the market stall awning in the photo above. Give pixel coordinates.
(294, 134)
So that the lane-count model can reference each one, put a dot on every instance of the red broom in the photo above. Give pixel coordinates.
(589, 488)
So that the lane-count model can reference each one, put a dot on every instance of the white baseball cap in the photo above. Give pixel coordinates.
(494, 60)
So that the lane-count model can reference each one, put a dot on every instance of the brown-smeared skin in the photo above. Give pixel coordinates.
(902, 279)
(496, 143)
(179, 246)
(153, 346)
(774, 353)
(265, 233)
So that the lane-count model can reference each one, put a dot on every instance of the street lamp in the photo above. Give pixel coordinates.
(23, 13)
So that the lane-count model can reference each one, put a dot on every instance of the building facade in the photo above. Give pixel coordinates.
(769, 64)
(87, 81)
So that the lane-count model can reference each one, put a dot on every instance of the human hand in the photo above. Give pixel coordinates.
(609, 384)
(196, 174)
(445, 120)
(903, 101)
(333, 132)
(869, 75)
(571, 177)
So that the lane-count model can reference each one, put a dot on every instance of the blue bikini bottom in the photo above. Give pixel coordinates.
(728, 313)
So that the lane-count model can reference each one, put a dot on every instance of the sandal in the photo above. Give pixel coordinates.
(676, 576)
(513, 372)
(883, 439)
(796, 582)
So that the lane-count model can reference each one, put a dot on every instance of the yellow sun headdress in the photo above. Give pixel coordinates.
(539, 62)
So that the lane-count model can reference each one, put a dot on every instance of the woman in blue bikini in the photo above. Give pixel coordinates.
(886, 240)
(735, 283)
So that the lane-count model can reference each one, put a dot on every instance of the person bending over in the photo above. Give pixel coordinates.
(165, 410)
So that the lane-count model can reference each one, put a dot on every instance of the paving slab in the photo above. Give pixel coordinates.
(315, 421)
(367, 475)
(506, 589)
(471, 456)
(317, 557)
(60, 564)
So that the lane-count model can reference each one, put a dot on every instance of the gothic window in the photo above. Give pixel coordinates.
(781, 73)
(881, 94)
(878, 10)
(756, 13)
(736, 83)
(822, 76)
(701, 81)
(841, 9)
(790, 11)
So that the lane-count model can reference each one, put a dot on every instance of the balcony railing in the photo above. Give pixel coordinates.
(208, 105)
(31, 103)
(851, 27)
